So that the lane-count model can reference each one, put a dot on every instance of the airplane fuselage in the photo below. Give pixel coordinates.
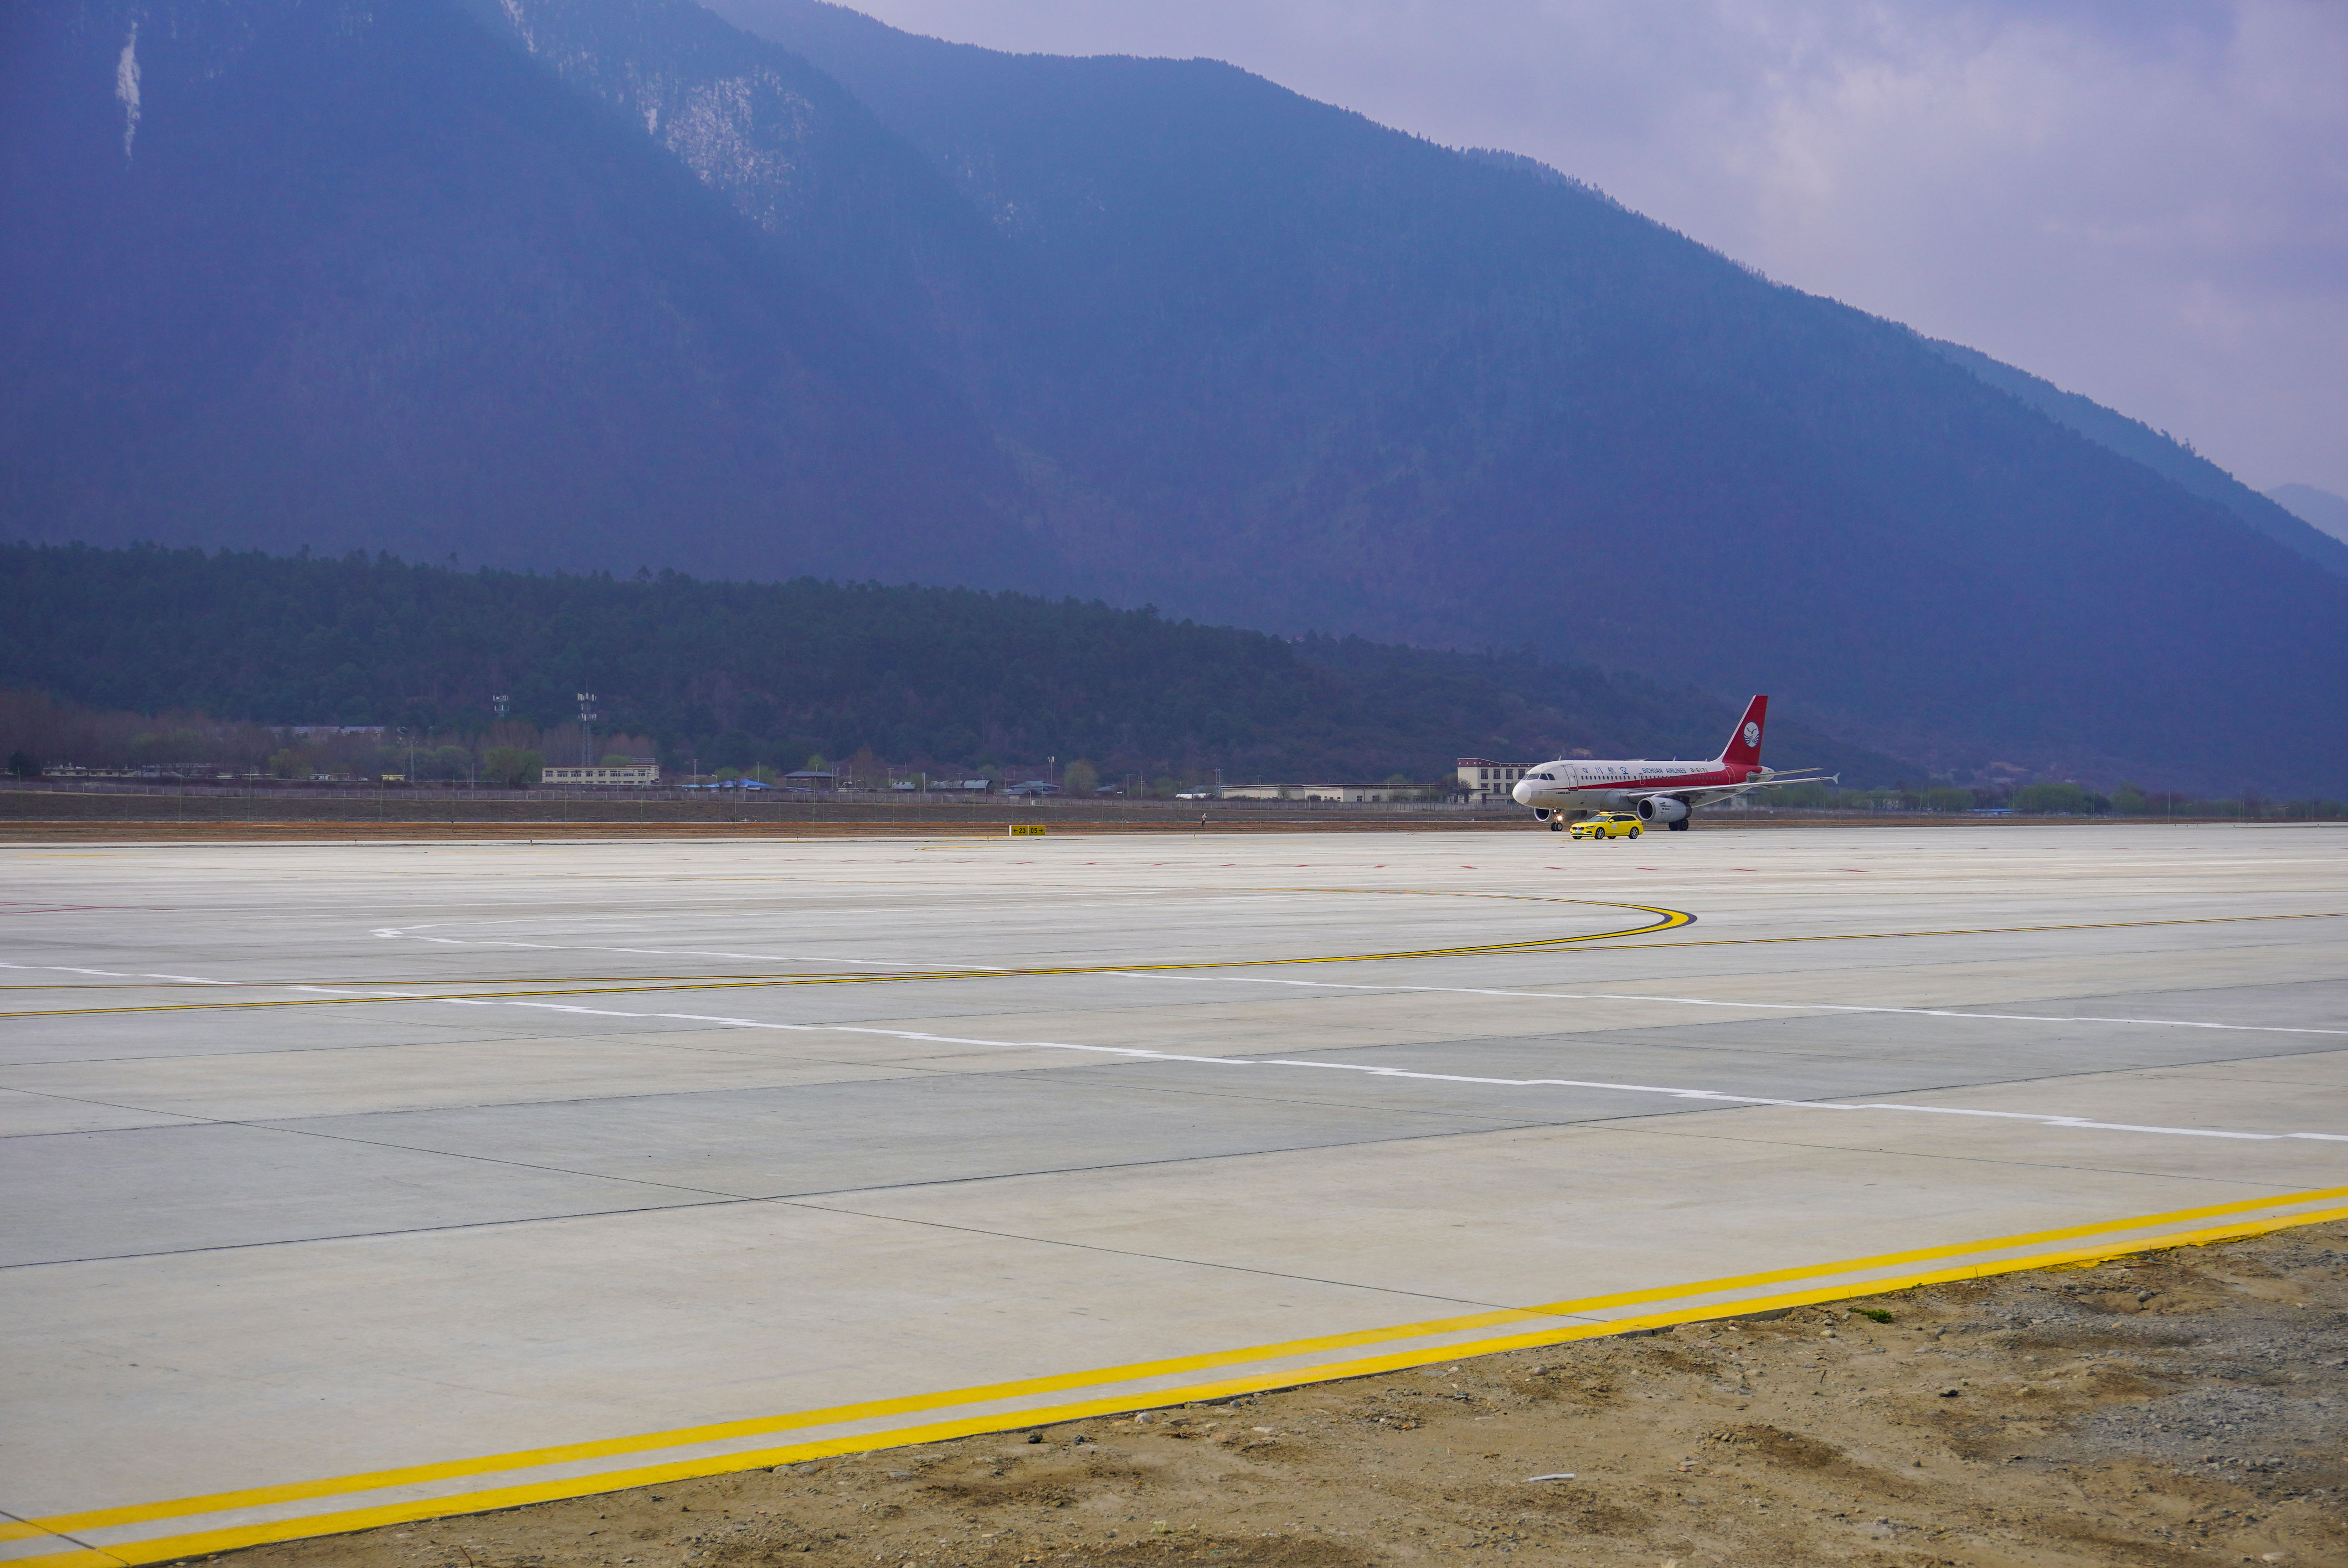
(1578, 788)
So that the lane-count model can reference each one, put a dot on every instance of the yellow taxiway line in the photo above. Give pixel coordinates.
(1667, 921)
(2105, 1239)
(1672, 919)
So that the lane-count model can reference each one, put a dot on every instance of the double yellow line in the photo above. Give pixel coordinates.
(2233, 1221)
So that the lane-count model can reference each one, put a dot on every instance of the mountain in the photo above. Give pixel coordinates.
(597, 283)
(2160, 452)
(737, 674)
(328, 273)
(2317, 509)
(1378, 383)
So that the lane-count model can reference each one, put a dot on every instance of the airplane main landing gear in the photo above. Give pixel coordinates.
(1682, 825)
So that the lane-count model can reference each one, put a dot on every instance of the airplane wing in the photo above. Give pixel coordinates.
(1713, 794)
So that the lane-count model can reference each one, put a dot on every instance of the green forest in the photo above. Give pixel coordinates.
(748, 675)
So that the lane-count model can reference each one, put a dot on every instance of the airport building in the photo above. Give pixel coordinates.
(1335, 792)
(639, 774)
(1482, 780)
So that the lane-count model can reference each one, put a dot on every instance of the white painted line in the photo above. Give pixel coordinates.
(407, 933)
(1712, 1002)
(1442, 991)
(1710, 1096)
(67, 970)
(947, 1039)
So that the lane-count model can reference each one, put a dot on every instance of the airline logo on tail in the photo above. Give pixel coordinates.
(1744, 746)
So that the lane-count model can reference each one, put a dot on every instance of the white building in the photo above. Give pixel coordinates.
(638, 774)
(1482, 780)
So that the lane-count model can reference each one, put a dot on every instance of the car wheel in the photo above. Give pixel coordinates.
(1636, 831)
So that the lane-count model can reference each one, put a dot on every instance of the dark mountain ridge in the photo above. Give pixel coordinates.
(1155, 330)
(2317, 508)
(2159, 451)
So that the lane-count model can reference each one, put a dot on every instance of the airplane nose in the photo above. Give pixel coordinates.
(1523, 794)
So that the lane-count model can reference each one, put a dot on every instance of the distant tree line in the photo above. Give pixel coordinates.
(749, 676)
(2054, 798)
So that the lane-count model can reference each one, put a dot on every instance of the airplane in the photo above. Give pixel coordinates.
(1570, 789)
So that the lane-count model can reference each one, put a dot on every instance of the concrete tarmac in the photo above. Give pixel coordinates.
(346, 1183)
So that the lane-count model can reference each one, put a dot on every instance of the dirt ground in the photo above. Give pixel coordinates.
(2180, 1406)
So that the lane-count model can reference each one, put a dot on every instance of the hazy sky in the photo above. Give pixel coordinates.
(2143, 200)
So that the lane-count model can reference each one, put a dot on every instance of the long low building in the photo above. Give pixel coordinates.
(1336, 792)
(639, 774)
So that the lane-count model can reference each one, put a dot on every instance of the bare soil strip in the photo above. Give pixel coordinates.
(2172, 1408)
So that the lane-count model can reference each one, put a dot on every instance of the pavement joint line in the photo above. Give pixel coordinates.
(1157, 971)
(1645, 1124)
(156, 1549)
(814, 1199)
(1398, 986)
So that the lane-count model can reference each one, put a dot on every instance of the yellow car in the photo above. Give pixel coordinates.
(1608, 824)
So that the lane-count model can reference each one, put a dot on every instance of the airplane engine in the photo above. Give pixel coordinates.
(1662, 808)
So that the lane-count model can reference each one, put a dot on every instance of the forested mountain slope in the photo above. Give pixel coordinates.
(737, 674)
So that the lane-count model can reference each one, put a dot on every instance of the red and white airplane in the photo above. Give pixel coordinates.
(1570, 789)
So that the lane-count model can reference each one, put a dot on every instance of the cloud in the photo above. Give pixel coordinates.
(126, 90)
(2147, 202)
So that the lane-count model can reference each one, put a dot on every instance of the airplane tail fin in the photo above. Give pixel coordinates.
(1745, 744)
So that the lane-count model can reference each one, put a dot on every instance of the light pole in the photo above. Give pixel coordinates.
(587, 717)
